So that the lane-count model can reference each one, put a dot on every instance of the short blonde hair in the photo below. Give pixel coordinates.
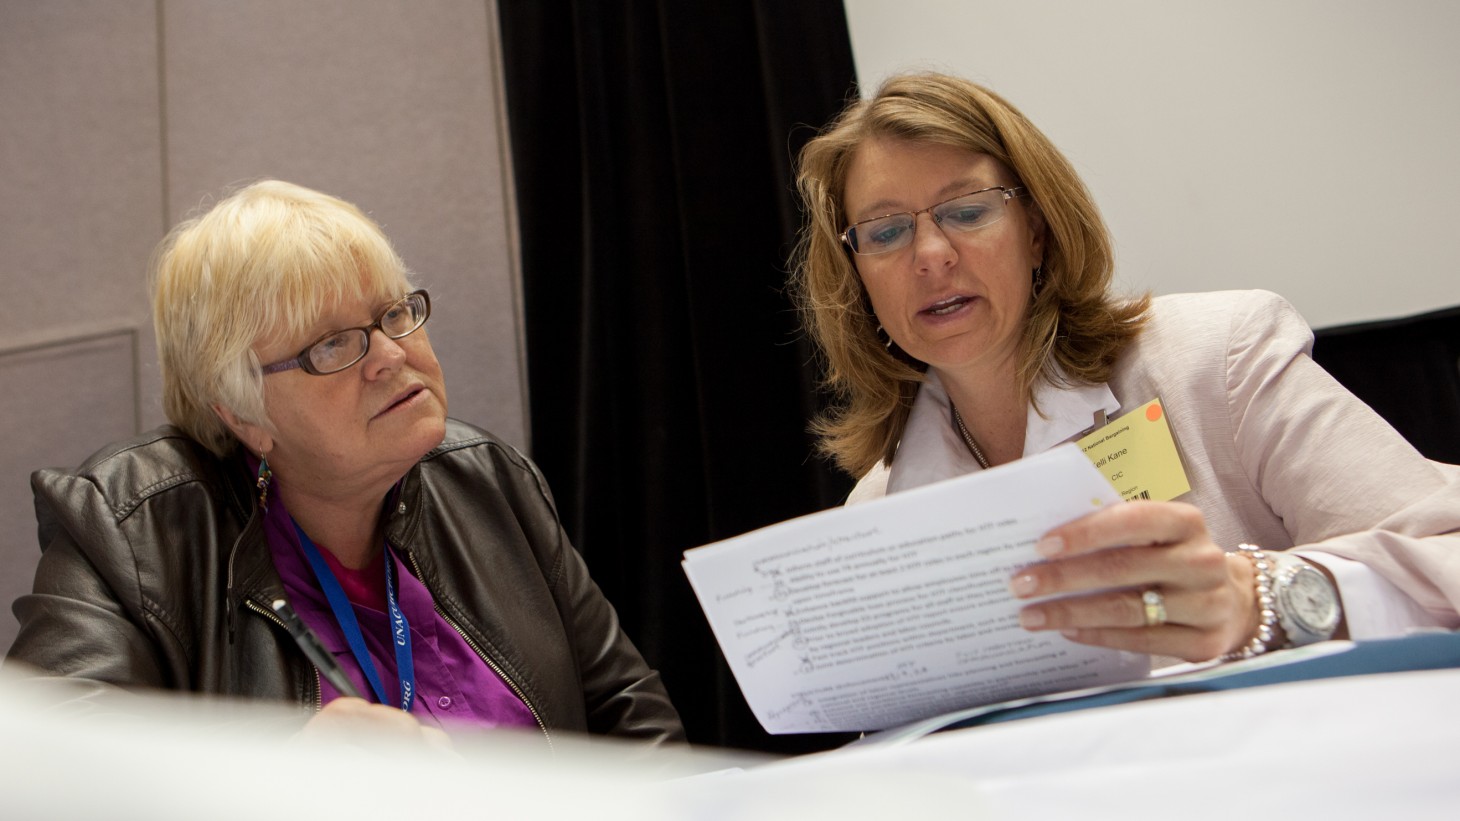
(266, 262)
(1072, 321)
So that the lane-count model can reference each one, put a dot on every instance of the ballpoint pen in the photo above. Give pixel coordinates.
(316, 652)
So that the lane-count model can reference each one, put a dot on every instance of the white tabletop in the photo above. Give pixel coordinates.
(1360, 747)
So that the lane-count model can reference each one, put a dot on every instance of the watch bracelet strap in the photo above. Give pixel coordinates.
(1265, 637)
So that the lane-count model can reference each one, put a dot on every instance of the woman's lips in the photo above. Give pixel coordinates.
(401, 400)
(945, 307)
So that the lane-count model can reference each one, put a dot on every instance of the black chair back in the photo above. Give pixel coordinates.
(1407, 370)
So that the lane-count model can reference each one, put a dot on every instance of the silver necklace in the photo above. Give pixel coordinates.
(968, 439)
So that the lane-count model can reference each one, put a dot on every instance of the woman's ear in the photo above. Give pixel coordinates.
(253, 437)
(1037, 231)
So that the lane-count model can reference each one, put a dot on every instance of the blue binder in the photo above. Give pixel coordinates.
(1424, 651)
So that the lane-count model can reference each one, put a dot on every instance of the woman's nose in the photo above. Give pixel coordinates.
(384, 354)
(932, 248)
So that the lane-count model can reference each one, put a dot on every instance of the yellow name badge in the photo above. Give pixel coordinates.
(1137, 453)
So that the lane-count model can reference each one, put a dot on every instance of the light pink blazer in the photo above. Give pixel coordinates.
(1277, 452)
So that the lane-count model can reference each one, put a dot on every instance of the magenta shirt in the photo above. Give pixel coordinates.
(454, 686)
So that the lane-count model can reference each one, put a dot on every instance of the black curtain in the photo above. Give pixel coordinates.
(1407, 370)
(670, 387)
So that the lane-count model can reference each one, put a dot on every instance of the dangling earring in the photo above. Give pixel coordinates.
(265, 476)
(1038, 279)
(884, 337)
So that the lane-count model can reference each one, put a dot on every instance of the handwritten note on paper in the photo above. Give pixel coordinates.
(878, 614)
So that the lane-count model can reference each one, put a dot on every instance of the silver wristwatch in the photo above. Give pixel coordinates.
(1307, 605)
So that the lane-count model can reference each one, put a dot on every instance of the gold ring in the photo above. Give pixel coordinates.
(1155, 605)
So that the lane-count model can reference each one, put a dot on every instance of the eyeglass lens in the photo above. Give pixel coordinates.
(339, 351)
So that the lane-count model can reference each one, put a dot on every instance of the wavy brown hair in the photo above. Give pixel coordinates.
(1073, 322)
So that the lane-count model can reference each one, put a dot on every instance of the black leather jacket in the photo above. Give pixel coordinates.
(155, 573)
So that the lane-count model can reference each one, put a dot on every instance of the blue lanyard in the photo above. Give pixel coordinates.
(345, 615)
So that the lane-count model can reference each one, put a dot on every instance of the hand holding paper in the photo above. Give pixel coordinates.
(875, 615)
(1098, 566)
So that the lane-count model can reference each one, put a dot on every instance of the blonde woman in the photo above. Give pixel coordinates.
(311, 461)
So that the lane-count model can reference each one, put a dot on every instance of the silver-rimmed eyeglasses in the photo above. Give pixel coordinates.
(338, 350)
(963, 213)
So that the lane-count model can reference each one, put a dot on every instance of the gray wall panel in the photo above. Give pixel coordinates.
(387, 104)
(80, 206)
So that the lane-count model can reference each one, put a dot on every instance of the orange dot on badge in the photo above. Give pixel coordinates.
(1153, 411)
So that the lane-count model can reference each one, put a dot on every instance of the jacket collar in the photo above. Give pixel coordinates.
(251, 571)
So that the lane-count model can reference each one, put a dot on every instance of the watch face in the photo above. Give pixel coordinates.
(1310, 600)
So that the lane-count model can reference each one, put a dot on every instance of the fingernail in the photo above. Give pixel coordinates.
(1049, 546)
(1031, 619)
(1070, 634)
(1023, 585)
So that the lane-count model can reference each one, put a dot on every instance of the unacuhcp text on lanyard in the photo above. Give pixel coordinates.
(350, 626)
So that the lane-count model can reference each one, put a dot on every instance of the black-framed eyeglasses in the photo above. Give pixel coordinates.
(338, 350)
(963, 213)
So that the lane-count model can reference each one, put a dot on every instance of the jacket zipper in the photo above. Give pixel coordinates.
(483, 656)
(318, 688)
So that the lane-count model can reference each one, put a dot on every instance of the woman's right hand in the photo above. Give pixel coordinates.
(354, 720)
(1097, 566)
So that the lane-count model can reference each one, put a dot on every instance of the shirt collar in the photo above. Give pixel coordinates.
(931, 449)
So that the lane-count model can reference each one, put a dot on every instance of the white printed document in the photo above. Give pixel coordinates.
(879, 614)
